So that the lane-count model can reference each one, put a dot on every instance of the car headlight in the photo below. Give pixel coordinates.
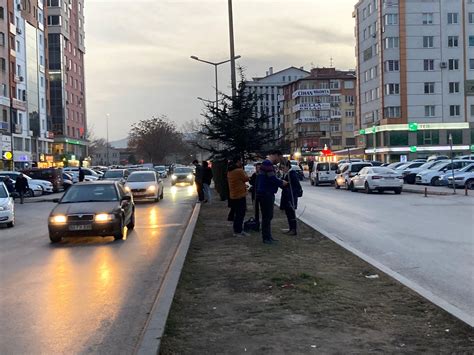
(5, 208)
(58, 219)
(173, 177)
(190, 176)
(151, 188)
(104, 217)
(127, 189)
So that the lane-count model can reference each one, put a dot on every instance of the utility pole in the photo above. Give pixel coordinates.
(232, 51)
(107, 147)
(452, 163)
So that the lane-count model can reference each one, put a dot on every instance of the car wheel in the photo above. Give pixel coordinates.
(29, 193)
(470, 184)
(10, 224)
(398, 191)
(367, 188)
(120, 234)
(346, 185)
(55, 238)
(336, 185)
(352, 187)
(317, 182)
(162, 194)
(131, 224)
(435, 181)
(311, 182)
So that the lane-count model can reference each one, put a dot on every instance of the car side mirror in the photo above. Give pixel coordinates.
(56, 200)
(338, 171)
(127, 198)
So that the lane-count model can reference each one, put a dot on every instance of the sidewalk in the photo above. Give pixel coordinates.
(435, 190)
(43, 198)
(304, 295)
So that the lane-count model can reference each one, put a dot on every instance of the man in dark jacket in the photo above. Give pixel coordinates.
(21, 186)
(206, 181)
(82, 175)
(289, 197)
(253, 190)
(198, 180)
(267, 187)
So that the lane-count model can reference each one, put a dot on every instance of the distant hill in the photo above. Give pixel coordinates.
(120, 144)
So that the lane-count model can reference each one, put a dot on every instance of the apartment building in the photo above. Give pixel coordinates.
(5, 129)
(66, 75)
(269, 93)
(319, 111)
(415, 69)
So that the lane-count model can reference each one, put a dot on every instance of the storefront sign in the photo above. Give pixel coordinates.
(311, 106)
(7, 155)
(311, 92)
(6, 143)
(413, 127)
(311, 119)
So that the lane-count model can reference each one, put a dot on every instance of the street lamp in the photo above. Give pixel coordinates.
(107, 146)
(232, 50)
(452, 164)
(215, 72)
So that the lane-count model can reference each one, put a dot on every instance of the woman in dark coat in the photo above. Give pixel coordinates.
(289, 197)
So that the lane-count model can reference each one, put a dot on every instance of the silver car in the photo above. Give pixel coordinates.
(145, 185)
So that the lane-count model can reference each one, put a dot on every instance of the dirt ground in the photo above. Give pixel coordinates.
(304, 295)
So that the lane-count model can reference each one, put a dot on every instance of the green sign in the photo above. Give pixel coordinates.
(362, 131)
(472, 148)
(413, 149)
(413, 126)
(374, 129)
(73, 141)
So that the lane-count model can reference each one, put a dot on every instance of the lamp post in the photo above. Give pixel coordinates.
(232, 50)
(107, 146)
(452, 163)
(215, 72)
(349, 153)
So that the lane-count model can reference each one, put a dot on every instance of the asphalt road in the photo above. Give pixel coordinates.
(85, 295)
(430, 241)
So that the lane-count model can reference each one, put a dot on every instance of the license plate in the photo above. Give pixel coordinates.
(139, 194)
(81, 227)
(389, 178)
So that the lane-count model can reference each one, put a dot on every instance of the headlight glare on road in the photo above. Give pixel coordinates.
(151, 188)
(173, 177)
(104, 217)
(58, 219)
(189, 177)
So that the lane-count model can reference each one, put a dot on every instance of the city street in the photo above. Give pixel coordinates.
(85, 295)
(429, 241)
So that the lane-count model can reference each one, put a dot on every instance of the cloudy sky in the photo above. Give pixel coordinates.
(137, 60)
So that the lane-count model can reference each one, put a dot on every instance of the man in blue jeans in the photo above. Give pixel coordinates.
(267, 187)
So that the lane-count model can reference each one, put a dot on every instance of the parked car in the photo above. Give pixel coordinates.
(409, 175)
(99, 208)
(466, 157)
(463, 177)
(89, 174)
(68, 181)
(181, 175)
(374, 162)
(53, 175)
(395, 165)
(432, 176)
(161, 170)
(323, 173)
(299, 172)
(377, 178)
(7, 207)
(409, 165)
(120, 175)
(348, 171)
(145, 185)
(44, 186)
(352, 160)
(437, 157)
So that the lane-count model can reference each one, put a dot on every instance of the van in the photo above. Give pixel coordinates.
(53, 175)
(323, 173)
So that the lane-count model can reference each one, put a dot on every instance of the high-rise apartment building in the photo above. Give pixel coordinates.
(269, 93)
(66, 73)
(5, 126)
(415, 69)
(319, 111)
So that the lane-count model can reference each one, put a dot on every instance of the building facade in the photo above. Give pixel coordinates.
(66, 38)
(269, 93)
(415, 68)
(319, 111)
(5, 103)
(103, 156)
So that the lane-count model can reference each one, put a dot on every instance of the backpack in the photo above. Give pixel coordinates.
(251, 225)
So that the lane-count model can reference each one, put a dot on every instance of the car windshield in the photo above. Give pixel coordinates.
(183, 170)
(3, 191)
(90, 193)
(323, 167)
(358, 167)
(113, 174)
(141, 177)
(160, 168)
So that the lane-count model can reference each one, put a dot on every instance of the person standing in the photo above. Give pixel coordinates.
(21, 186)
(206, 181)
(289, 197)
(82, 175)
(253, 184)
(198, 180)
(267, 187)
(237, 178)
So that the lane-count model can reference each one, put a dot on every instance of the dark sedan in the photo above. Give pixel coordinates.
(182, 175)
(101, 208)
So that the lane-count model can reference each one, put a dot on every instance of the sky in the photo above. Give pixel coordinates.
(138, 52)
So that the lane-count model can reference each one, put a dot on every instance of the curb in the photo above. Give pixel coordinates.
(421, 192)
(430, 296)
(150, 339)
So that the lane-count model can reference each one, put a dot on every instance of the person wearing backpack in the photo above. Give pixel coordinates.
(289, 197)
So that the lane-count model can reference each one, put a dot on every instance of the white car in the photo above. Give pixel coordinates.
(7, 207)
(377, 178)
(46, 186)
(249, 169)
(347, 171)
(145, 185)
(432, 176)
(323, 172)
(89, 174)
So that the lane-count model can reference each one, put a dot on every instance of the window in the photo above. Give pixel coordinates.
(392, 65)
(2, 13)
(427, 137)
(456, 134)
(427, 18)
(391, 42)
(452, 18)
(368, 54)
(471, 41)
(54, 20)
(453, 41)
(428, 64)
(429, 88)
(429, 111)
(453, 64)
(348, 84)
(454, 110)
(3, 64)
(471, 64)
(398, 139)
(392, 89)
(471, 17)
(391, 19)
(54, 3)
(428, 41)
(2, 39)
(453, 87)
(392, 111)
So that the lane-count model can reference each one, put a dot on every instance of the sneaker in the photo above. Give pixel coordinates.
(240, 235)
(245, 234)
(286, 230)
(267, 241)
(292, 232)
(274, 240)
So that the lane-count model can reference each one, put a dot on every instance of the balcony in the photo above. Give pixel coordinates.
(18, 129)
(4, 126)
(13, 53)
(310, 134)
(19, 105)
(311, 107)
(12, 29)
